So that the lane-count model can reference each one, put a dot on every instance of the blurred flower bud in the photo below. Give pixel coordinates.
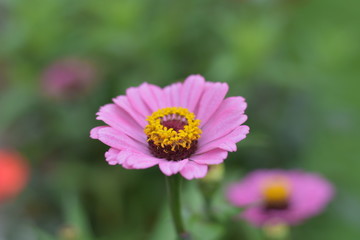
(215, 174)
(69, 78)
(68, 233)
(276, 231)
(14, 173)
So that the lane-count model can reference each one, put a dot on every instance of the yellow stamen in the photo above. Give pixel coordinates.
(163, 136)
(276, 190)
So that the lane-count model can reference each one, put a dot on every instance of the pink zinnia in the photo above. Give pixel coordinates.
(182, 128)
(273, 196)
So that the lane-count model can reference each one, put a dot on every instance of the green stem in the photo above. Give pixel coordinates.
(208, 209)
(208, 189)
(173, 188)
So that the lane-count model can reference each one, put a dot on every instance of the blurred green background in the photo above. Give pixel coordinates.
(297, 62)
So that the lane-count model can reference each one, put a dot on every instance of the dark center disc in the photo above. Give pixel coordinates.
(180, 153)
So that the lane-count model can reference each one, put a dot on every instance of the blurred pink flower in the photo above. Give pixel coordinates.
(14, 173)
(275, 196)
(68, 78)
(182, 128)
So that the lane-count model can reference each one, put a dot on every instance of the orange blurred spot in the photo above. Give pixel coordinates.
(14, 173)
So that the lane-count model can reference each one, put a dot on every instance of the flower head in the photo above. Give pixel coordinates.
(275, 196)
(13, 174)
(69, 77)
(182, 128)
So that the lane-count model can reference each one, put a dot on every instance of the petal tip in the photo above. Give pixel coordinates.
(94, 133)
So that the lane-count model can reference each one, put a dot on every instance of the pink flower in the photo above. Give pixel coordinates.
(273, 196)
(68, 78)
(182, 128)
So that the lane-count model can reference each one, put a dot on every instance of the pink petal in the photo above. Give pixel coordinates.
(172, 95)
(172, 167)
(228, 117)
(191, 91)
(122, 157)
(194, 170)
(243, 193)
(94, 133)
(258, 216)
(126, 165)
(140, 161)
(118, 140)
(135, 99)
(311, 193)
(111, 156)
(227, 142)
(114, 156)
(210, 101)
(123, 102)
(153, 96)
(119, 119)
(212, 157)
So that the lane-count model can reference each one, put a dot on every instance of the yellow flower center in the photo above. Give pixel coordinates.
(173, 128)
(276, 193)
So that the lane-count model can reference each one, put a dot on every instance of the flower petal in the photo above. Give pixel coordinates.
(126, 165)
(119, 119)
(114, 156)
(111, 156)
(140, 161)
(258, 216)
(211, 99)
(194, 170)
(172, 167)
(244, 193)
(227, 142)
(191, 91)
(122, 157)
(134, 96)
(123, 102)
(311, 193)
(229, 116)
(118, 140)
(153, 96)
(215, 156)
(172, 95)
(94, 133)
